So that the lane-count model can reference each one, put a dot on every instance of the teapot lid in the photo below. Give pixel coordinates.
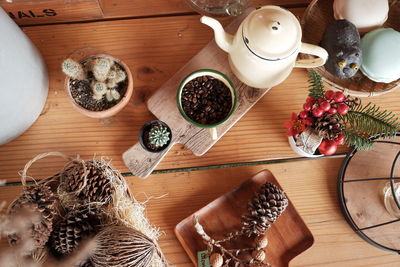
(272, 33)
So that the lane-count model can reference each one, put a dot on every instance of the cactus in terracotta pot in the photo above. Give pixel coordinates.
(106, 76)
(96, 83)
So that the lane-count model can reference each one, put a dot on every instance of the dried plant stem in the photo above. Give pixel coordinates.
(230, 236)
(209, 241)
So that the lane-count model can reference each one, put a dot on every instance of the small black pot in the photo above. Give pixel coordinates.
(145, 128)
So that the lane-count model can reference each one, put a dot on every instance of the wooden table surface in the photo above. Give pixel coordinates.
(155, 46)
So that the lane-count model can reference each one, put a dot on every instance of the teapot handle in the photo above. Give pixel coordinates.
(315, 50)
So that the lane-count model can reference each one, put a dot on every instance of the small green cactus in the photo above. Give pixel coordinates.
(112, 95)
(120, 76)
(112, 74)
(115, 76)
(73, 69)
(100, 68)
(111, 84)
(159, 136)
(116, 95)
(99, 89)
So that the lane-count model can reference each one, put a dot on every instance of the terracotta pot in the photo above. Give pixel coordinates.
(299, 151)
(113, 110)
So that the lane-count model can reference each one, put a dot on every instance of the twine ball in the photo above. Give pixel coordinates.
(261, 241)
(123, 247)
(258, 255)
(216, 260)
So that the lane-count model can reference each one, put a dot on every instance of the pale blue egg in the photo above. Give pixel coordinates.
(381, 55)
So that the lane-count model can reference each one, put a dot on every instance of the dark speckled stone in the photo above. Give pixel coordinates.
(342, 41)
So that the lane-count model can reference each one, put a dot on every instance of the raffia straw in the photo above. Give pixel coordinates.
(38, 157)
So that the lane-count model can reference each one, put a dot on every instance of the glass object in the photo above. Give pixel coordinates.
(391, 191)
(389, 200)
(219, 8)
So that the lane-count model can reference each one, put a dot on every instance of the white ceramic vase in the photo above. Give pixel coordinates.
(23, 80)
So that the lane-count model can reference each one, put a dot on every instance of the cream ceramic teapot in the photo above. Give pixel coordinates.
(264, 49)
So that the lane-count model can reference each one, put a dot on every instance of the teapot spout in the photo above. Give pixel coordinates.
(224, 40)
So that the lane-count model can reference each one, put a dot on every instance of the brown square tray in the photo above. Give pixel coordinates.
(288, 236)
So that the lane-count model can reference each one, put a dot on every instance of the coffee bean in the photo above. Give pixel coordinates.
(206, 100)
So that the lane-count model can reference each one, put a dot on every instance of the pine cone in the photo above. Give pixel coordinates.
(77, 225)
(87, 263)
(38, 198)
(328, 126)
(98, 186)
(264, 209)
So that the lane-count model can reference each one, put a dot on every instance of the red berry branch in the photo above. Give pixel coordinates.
(335, 119)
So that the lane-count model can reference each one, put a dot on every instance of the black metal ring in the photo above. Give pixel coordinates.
(342, 200)
(392, 181)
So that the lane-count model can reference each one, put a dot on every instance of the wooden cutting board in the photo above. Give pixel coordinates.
(287, 238)
(163, 105)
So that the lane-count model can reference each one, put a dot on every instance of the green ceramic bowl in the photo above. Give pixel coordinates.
(217, 75)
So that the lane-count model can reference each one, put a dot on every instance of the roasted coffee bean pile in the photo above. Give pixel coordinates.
(206, 100)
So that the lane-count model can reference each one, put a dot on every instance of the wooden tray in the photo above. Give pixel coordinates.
(163, 105)
(317, 17)
(288, 237)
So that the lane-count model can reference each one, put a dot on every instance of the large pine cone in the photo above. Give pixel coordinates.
(38, 198)
(264, 209)
(328, 126)
(98, 187)
(77, 225)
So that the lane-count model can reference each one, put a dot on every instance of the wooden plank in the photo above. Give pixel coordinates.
(129, 8)
(26, 12)
(311, 186)
(155, 49)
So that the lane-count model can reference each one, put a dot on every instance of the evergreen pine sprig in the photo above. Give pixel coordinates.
(316, 88)
(353, 138)
(362, 122)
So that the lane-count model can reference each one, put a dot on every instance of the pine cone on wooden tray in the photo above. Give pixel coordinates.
(264, 209)
(77, 225)
(38, 198)
(96, 187)
(328, 126)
